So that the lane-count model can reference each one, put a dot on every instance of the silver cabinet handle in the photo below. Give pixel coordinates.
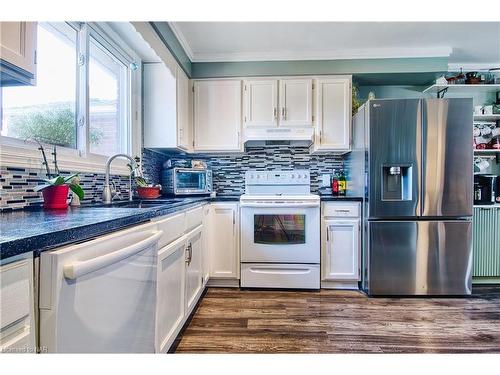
(282, 113)
(275, 112)
(189, 250)
(327, 234)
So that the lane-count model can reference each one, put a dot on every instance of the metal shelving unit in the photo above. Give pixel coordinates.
(486, 117)
(441, 90)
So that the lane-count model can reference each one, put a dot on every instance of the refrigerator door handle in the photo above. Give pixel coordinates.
(421, 141)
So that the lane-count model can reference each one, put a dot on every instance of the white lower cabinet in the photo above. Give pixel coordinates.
(193, 268)
(17, 323)
(170, 304)
(340, 253)
(206, 242)
(180, 273)
(225, 251)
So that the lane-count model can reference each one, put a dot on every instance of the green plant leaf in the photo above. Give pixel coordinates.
(77, 190)
(69, 178)
(140, 181)
(41, 187)
(58, 180)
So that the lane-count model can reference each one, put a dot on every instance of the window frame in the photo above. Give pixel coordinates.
(19, 153)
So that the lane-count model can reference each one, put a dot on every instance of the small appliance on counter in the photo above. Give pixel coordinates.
(486, 189)
(186, 181)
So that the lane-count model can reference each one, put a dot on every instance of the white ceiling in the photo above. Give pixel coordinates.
(462, 42)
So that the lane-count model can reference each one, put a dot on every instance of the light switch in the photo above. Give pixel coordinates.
(325, 180)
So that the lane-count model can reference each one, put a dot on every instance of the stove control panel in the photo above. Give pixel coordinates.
(295, 177)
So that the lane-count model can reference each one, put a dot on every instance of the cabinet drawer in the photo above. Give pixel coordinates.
(194, 218)
(173, 227)
(340, 209)
(15, 292)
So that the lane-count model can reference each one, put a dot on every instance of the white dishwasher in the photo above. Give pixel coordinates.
(100, 296)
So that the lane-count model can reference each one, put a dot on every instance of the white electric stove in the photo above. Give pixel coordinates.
(280, 231)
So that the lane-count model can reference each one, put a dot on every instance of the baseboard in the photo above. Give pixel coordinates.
(223, 283)
(348, 285)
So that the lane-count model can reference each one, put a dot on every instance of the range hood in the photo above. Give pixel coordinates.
(296, 136)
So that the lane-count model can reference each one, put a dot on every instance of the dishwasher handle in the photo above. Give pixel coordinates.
(80, 268)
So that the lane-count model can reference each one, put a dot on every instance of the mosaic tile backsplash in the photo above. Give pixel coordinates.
(17, 184)
(229, 169)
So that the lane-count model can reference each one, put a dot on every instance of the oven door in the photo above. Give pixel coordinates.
(280, 234)
(189, 181)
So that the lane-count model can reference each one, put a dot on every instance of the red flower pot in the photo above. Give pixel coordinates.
(55, 196)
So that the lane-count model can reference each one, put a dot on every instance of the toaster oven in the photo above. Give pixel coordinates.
(187, 181)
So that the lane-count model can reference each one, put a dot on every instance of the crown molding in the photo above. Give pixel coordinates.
(182, 40)
(375, 53)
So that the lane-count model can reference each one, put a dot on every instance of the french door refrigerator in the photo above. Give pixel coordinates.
(418, 173)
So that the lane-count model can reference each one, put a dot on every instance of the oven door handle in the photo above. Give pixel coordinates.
(280, 204)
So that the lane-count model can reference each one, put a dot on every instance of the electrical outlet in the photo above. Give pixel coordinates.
(325, 180)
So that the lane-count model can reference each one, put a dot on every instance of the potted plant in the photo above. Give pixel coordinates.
(144, 190)
(56, 188)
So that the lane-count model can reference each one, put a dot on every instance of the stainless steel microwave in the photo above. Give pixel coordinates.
(187, 181)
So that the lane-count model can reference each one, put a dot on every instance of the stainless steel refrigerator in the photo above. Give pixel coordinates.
(412, 160)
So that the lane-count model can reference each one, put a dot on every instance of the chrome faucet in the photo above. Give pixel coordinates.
(106, 194)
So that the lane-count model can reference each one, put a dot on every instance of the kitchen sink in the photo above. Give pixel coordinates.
(141, 203)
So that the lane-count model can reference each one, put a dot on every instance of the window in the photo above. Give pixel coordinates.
(107, 101)
(81, 100)
(46, 111)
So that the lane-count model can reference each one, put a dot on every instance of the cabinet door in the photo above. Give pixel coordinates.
(18, 44)
(217, 115)
(193, 267)
(261, 103)
(295, 102)
(17, 324)
(207, 242)
(160, 108)
(333, 114)
(225, 251)
(170, 293)
(341, 249)
(184, 139)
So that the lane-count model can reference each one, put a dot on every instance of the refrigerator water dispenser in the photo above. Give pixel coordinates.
(396, 183)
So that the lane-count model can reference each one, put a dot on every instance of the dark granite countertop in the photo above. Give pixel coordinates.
(39, 230)
(328, 198)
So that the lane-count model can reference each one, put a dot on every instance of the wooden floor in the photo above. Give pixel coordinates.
(243, 321)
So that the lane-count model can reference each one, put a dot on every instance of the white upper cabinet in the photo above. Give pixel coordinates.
(217, 115)
(18, 48)
(333, 114)
(160, 106)
(295, 101)
(261, 103)
(266, 106)
(184, 112)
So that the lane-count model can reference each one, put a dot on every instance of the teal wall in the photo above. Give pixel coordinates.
(170, 40)
(364, 66)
